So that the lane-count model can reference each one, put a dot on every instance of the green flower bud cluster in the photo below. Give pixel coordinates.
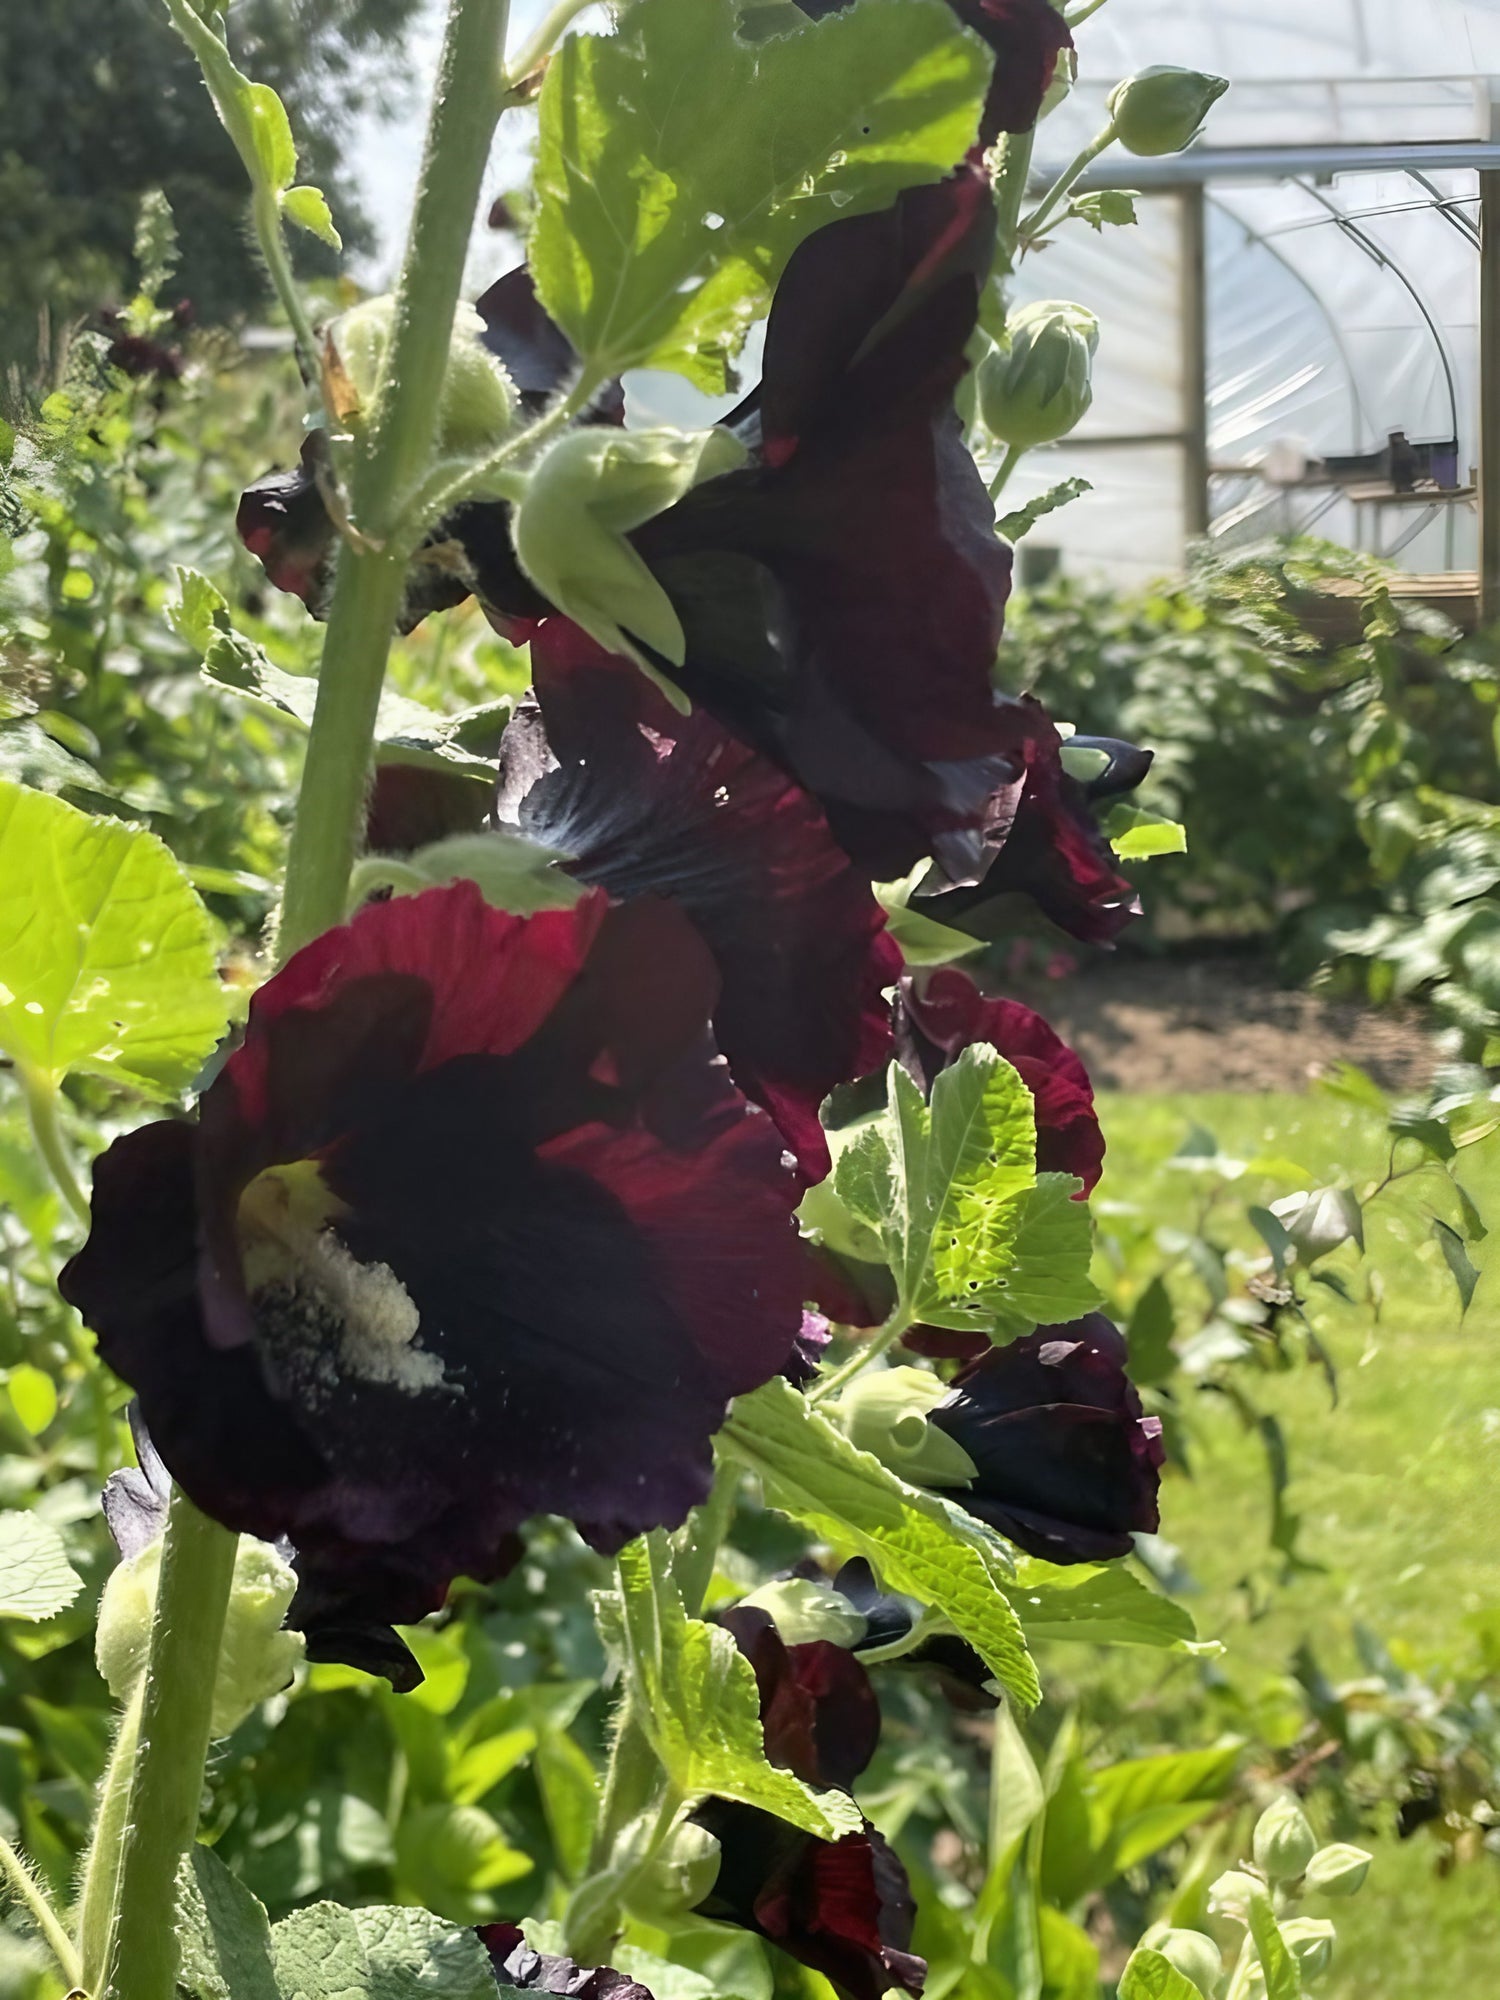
(885, 1413)
(1162, 109)
(479, 400)
(1040, 387)
(1288, 1864)
(258, 1658)
(589, 490)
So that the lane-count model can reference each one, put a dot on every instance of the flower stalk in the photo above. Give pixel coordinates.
(28, 1892)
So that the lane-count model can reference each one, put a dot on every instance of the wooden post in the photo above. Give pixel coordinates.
(1489, 396)
(1194, 338)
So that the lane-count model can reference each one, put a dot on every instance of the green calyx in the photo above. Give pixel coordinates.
(886, 1415)
(1192, 1954)
(803, 1612)
(1036, 390)
(258, 1658)
(478, 405)
(588, 492)
(1161, 110)
(1283, 1842)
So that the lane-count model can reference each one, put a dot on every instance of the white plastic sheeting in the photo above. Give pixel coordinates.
(1340, 309)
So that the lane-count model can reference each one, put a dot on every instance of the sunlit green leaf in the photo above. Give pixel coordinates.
(1097, 1605)
(308, 208)
(329, 1953)
(916, 1542)
(667, 207)
(106, 954)
(36, 1578)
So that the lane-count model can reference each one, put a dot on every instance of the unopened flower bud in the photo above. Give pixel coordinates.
(1192, 1954)
(590, 489)
(479, 400)
(1339, 1869)
(885, 1414)
(257, 1658)
(1283, 1842)
(1232, 1894)
(1035, 391)
(803, 1611)
(1162, 109)
(679, 1877)
(1310, 1940)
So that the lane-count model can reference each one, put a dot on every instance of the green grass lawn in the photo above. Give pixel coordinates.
(1398, 1487)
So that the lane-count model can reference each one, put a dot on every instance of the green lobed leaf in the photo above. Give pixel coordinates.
(326, 1952)
(694, 1693)
(1148, 1338)
(308, 208)
(679, 165)
(223, 1933)
(36, 1578)
(1149, 1976)
(916, 1542)
(106, 953)
(1099, 1605)
(1049, 1283)
(1115, 206)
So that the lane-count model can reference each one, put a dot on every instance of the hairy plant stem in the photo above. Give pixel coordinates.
(140, 1957)
(880, 1343)
(197, 1567)
(43, 1101)
(28, 1891)
(1012, 170)
(101, 1868)
(371, 579)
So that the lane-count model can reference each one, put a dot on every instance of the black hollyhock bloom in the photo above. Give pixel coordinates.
(645, 801)
(842, 594)
(516, 1964)
(818, 1711)
(941, 1013)
(1068, 1466)
(1027, 36)
(843, 1907)
(473, 1226)
(1043, 838)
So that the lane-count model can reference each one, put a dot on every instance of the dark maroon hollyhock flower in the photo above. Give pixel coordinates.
(817, 1708)
(1044, 838)
(1027, 36)
(516, 1964)
(1068, 1467)
(646, 801)
(843, 594)
(843, 1907)
(941, 1013)
(473, 1226)
(144, 359)
(284, 524)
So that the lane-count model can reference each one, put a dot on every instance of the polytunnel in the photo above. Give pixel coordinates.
(1302, 330)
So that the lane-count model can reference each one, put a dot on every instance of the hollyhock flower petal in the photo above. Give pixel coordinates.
(809, 1350)
(942, 1013)
(646, 801)
(516, 1964)
(1027, 36)
(284, 523)
(1043, 838)
(842, 1907)
(1068, 1466)
(842, 596)
(472, 1226)
(817, 1708)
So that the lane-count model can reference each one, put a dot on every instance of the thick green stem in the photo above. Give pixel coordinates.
(197, 1568)
(27, 1890)
(101, 1872)
(371, 578)
(43, 1100)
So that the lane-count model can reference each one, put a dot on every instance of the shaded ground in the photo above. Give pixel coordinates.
(1223, 1024)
